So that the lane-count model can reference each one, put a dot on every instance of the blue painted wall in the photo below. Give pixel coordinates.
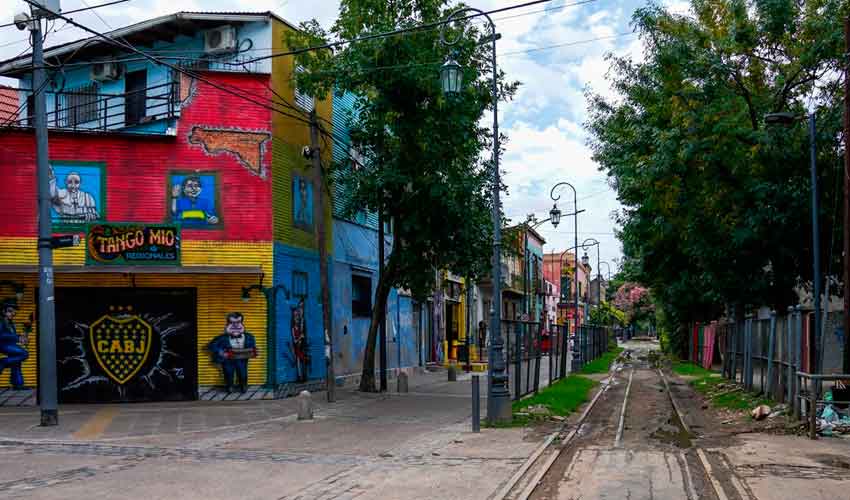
(356, 252)
(287, 260)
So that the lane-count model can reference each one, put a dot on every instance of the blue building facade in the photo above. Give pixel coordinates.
(355, 272)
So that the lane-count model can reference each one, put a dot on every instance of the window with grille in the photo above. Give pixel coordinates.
(299, 284)
(303, 100)
(81, 105)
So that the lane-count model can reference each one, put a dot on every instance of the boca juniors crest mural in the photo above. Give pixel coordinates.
(126, 344)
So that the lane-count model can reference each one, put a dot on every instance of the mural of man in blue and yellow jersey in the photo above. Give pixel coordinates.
(187, 205)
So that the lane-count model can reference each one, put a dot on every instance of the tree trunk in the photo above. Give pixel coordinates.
(367, 378)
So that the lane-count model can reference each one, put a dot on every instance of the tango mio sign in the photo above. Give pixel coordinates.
(133, 244)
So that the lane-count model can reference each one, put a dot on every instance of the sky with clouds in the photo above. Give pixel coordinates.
(556, 50)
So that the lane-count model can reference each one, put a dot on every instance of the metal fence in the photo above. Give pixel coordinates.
(765, 354)
(524, 355)
(535, 359)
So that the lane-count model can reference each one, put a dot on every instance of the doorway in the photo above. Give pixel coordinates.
(135, 103)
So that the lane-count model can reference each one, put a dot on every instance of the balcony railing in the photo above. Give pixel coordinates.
(92, 111)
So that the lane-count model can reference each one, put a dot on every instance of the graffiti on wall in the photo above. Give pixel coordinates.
(76, 192)
(300, 352)
(12, 344)
(194, 199)
(302, 203)
(248, 147)
(232, 350)
(126, 344)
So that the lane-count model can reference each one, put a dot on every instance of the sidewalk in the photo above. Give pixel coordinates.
(400, 446)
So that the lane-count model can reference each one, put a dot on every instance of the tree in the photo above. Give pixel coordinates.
(716, 204)
(606, 314)
(424, 153)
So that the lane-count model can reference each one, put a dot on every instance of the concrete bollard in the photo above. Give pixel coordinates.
(452, 373)
(402, 382)
(305, 406)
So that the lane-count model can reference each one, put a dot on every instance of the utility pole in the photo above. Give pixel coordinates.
(321, 231)
(382, 329)
(47, 392)
(846, 61)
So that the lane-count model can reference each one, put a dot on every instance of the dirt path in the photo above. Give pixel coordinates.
(654, 457)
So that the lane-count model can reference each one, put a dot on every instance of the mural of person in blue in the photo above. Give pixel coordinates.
(9, 339)
(189, 206)
(232, 349)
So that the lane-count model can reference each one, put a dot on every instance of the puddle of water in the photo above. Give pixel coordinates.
(674, 432)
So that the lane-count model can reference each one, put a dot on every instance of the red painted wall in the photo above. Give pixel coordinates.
(137, 168)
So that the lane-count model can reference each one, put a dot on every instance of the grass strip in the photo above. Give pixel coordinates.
(603, 363)
(561, 398)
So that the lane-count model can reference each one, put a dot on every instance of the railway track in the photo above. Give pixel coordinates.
(631, 441)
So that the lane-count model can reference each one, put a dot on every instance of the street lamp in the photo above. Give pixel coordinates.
(585, 260)
(575, 364)
(451, 77)
(498, 395)
(788, 119)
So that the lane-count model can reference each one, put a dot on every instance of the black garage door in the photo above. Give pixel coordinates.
(126, 344)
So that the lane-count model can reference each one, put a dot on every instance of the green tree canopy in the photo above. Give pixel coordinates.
(426, 154)
(716, 204)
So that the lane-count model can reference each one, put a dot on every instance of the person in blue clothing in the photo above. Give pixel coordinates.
(229, 351)
(188, 207)
(9, 339)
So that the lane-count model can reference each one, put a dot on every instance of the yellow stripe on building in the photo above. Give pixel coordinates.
(217, 294)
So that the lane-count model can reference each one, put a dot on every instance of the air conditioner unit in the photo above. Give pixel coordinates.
(220, 40)
(102, 71)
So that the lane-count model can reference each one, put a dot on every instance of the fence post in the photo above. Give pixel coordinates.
(789, 372)
(748, 353)
(770, 349)
(798, 347)
(517, 360)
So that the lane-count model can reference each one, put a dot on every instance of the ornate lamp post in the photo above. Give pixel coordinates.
(451, 78)
(585, 260)
(556, 218)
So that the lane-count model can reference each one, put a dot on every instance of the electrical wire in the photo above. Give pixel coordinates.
(92, 7)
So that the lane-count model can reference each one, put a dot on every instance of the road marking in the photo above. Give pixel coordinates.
(97, 424)
(619, 438)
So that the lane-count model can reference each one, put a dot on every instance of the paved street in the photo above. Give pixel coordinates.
(411, 445)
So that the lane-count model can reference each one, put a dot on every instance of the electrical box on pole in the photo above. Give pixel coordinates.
(43, 8)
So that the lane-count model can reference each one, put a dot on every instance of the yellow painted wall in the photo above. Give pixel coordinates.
(289, 135)
(217, 294)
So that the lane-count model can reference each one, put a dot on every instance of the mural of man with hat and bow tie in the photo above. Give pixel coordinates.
(9, 340)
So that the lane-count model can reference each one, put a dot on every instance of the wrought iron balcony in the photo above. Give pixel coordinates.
(86, 109)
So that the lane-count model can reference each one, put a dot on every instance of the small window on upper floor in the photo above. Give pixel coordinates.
(302, 100)
(79, 105)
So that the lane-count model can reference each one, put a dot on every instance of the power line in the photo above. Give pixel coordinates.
(88, 7)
